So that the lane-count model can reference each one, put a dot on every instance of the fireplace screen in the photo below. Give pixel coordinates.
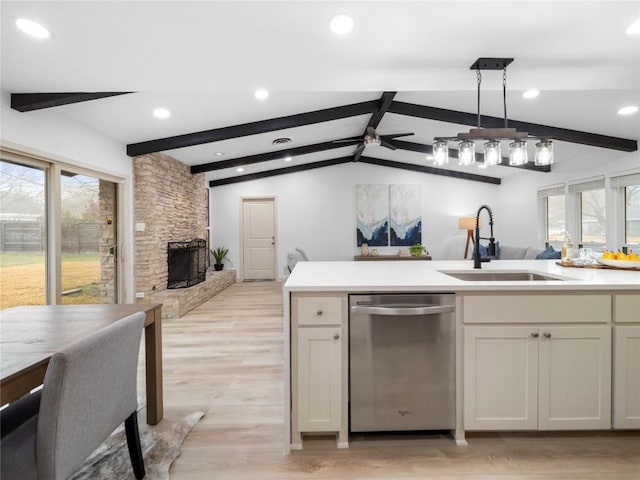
(187, 263)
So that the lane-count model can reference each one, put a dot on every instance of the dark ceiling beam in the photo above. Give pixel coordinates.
(252, 128)
(27, 102)
(431, 170)
(562, 134)
(279, 171)
(265, 157)
(341, 160)
(453, 153)
(376, 118)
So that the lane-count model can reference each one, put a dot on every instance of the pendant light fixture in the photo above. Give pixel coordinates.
(492, 136)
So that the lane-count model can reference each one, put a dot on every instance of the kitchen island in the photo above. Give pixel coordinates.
(560, 352)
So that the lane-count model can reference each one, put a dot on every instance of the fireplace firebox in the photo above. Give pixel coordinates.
(187, 262)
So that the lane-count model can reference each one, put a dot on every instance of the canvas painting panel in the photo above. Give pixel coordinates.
(405, 217)
(372, 215)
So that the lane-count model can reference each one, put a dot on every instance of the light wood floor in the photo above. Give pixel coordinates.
(226, 358)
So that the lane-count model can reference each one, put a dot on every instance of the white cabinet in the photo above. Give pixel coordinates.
(537, 377)
(500, 378)
(319, 379)
(319, 333)
(626, 394)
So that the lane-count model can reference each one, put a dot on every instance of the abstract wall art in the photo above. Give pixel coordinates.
(372, 215)
(405, 215)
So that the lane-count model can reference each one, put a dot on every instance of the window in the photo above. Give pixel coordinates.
(553, 211)
(627, 189)
(591, 214)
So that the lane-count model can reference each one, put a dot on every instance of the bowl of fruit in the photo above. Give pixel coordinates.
(619, 259)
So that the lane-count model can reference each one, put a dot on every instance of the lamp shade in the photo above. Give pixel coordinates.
(467, 223)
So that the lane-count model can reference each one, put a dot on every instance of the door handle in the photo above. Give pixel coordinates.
(336, 336)
(547, 335)
(535, 334)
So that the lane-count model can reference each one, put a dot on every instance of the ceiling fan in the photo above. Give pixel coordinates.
(372, 138)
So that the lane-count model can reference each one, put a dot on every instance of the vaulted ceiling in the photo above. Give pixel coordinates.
(404, 68)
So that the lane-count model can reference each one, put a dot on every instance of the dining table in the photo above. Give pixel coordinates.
(30, 335)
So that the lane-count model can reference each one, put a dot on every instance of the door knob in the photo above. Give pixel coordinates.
(319, 312)
(535, 334)
(547, 335)
(336, 336)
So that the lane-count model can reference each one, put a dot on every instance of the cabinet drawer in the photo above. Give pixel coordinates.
(626, 308)
(319, 310)
(568, 308)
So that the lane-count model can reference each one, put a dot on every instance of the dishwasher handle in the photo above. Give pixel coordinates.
(404, 311)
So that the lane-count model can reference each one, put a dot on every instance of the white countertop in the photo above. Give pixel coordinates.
(410, 276)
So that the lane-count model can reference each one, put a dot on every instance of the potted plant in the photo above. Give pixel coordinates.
(219, 254)
(417, 250)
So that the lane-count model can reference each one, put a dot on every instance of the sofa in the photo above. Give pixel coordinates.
(508, 252)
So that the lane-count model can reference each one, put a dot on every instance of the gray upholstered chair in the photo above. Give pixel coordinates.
(89, 389)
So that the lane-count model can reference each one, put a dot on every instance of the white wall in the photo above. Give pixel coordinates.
(47, 134)
(316, 210)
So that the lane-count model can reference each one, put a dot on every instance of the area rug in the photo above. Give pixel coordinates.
(110, 461)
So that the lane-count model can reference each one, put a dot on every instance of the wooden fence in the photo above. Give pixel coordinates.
(77, 237)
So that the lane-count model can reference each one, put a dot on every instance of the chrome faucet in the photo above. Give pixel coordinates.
(491, 250)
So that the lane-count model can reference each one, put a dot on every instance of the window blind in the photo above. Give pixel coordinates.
(551, 191)
(625, 180)
(595, 184)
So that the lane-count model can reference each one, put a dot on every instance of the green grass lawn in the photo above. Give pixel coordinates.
(22, 278)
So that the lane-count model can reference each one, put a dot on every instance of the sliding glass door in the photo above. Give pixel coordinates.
(88, 233)
(58, 235)
(23, 235)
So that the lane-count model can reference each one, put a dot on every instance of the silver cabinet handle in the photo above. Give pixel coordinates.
(336, 336)
(535, 334)
(547, 335)
(403, 311)
(319, 312)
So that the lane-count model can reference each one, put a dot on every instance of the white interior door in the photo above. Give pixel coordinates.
(259, 239)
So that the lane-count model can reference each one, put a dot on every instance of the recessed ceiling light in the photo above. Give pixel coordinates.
(288, 158)
(239, 169)
(219, 154)
(634, 28)
(341, 24)
(32, 28)
(531, 93)
(161, 113)
(630, 110)
(261, 94)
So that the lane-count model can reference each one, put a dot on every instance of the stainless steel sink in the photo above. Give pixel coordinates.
(501, 276)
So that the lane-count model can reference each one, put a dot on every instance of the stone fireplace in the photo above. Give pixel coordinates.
(186, 263)
(170, 206)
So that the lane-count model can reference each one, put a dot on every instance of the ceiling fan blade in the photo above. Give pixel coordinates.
(358, 152)
(348, 140)
(384, 143)
(396, 135)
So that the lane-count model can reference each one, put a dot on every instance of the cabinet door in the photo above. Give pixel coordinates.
(500, 378)
(626, 394)
(319, 379)
(575, 378)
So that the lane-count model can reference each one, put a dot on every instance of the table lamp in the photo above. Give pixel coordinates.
(468, 224)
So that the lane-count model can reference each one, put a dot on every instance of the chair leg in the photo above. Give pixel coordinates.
(133, 442)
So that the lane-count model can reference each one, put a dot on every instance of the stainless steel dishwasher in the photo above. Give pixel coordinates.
(402, 362)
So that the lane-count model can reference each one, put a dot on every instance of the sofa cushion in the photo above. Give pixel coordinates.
(532, 253)
(508, 252)
(549, 253)
(484, 251)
